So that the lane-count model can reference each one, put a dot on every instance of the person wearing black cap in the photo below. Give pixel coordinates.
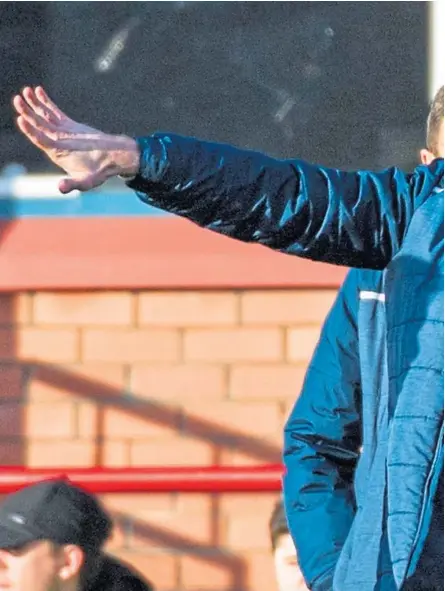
(51, 539)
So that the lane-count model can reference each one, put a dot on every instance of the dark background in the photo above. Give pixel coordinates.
(341, 83)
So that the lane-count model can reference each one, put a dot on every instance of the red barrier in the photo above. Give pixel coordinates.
(214, 479)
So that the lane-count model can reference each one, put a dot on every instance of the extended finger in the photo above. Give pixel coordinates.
(86, 183)
(31, 116)
(19, 104)
(38, 107)
(44, 99)
(36, 136)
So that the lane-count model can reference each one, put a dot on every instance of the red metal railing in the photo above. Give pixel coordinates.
(214, 479)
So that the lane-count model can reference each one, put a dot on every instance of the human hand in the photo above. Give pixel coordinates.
(87, 155)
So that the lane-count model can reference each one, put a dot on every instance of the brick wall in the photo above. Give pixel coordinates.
(161, 378)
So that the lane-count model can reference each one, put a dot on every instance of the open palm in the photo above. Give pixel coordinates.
(86, 154)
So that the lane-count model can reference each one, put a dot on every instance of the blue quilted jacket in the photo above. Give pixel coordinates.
(336, 452)
(359, 219)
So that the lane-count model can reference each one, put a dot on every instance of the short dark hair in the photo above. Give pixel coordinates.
(434, 121)
(277, 524)
(91, 568)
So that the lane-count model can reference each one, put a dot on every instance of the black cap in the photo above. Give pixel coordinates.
(54, 510)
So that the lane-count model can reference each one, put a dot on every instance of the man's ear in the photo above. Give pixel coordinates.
(72, 561)
(426, 157)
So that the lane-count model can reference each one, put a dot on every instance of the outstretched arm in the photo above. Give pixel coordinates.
(355, 219)
(349, 218)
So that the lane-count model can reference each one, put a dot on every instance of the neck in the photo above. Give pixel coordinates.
(70, 586)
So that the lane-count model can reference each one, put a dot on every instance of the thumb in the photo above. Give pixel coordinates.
(85, 183)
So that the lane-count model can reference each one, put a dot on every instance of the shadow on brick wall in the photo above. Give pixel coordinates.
(12, 443)
(217, 437)
(211, 553)
(154, 412)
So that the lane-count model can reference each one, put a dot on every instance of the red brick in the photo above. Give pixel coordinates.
(188, 308)
(41, 392)
(288, 408)
(248, 532)
(244, 344)
(11, 381)
(104, 374)
(8, 343)
(160, 568)
(15, 308)
(86, 420)
(261, 574)
(205, 574)
(257, 418)
(196, 503)
(50, 420)
(171, 530)
(95, 309)
(116, 454)
(286, 307)
(73, 454)
(179, 382)
(237, 505)
(119, 424)
(50, 345)
(24, 308)
(130, 346)
(235, 457)
(7, 309)
(12, 453)
(265, 381)
(203, 505)
(175, 451)
(301, 343)
(139, 505)
(11, 419)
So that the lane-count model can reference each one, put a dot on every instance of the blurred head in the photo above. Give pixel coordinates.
(51, 535)
(434, 130)
(41, 566)
(288, 574)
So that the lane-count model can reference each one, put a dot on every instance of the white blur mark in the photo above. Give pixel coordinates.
(329, 32)
(33, 186)
(285, 109)
(107, 60)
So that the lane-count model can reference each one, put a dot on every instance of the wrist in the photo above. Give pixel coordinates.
(126, 158)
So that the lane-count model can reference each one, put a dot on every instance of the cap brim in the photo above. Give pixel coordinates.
(11, 537)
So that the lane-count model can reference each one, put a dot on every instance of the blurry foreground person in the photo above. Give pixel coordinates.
(51, 539)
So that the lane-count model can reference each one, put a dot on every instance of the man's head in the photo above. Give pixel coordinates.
(289, 576)
(434, 130)
(49, 533)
